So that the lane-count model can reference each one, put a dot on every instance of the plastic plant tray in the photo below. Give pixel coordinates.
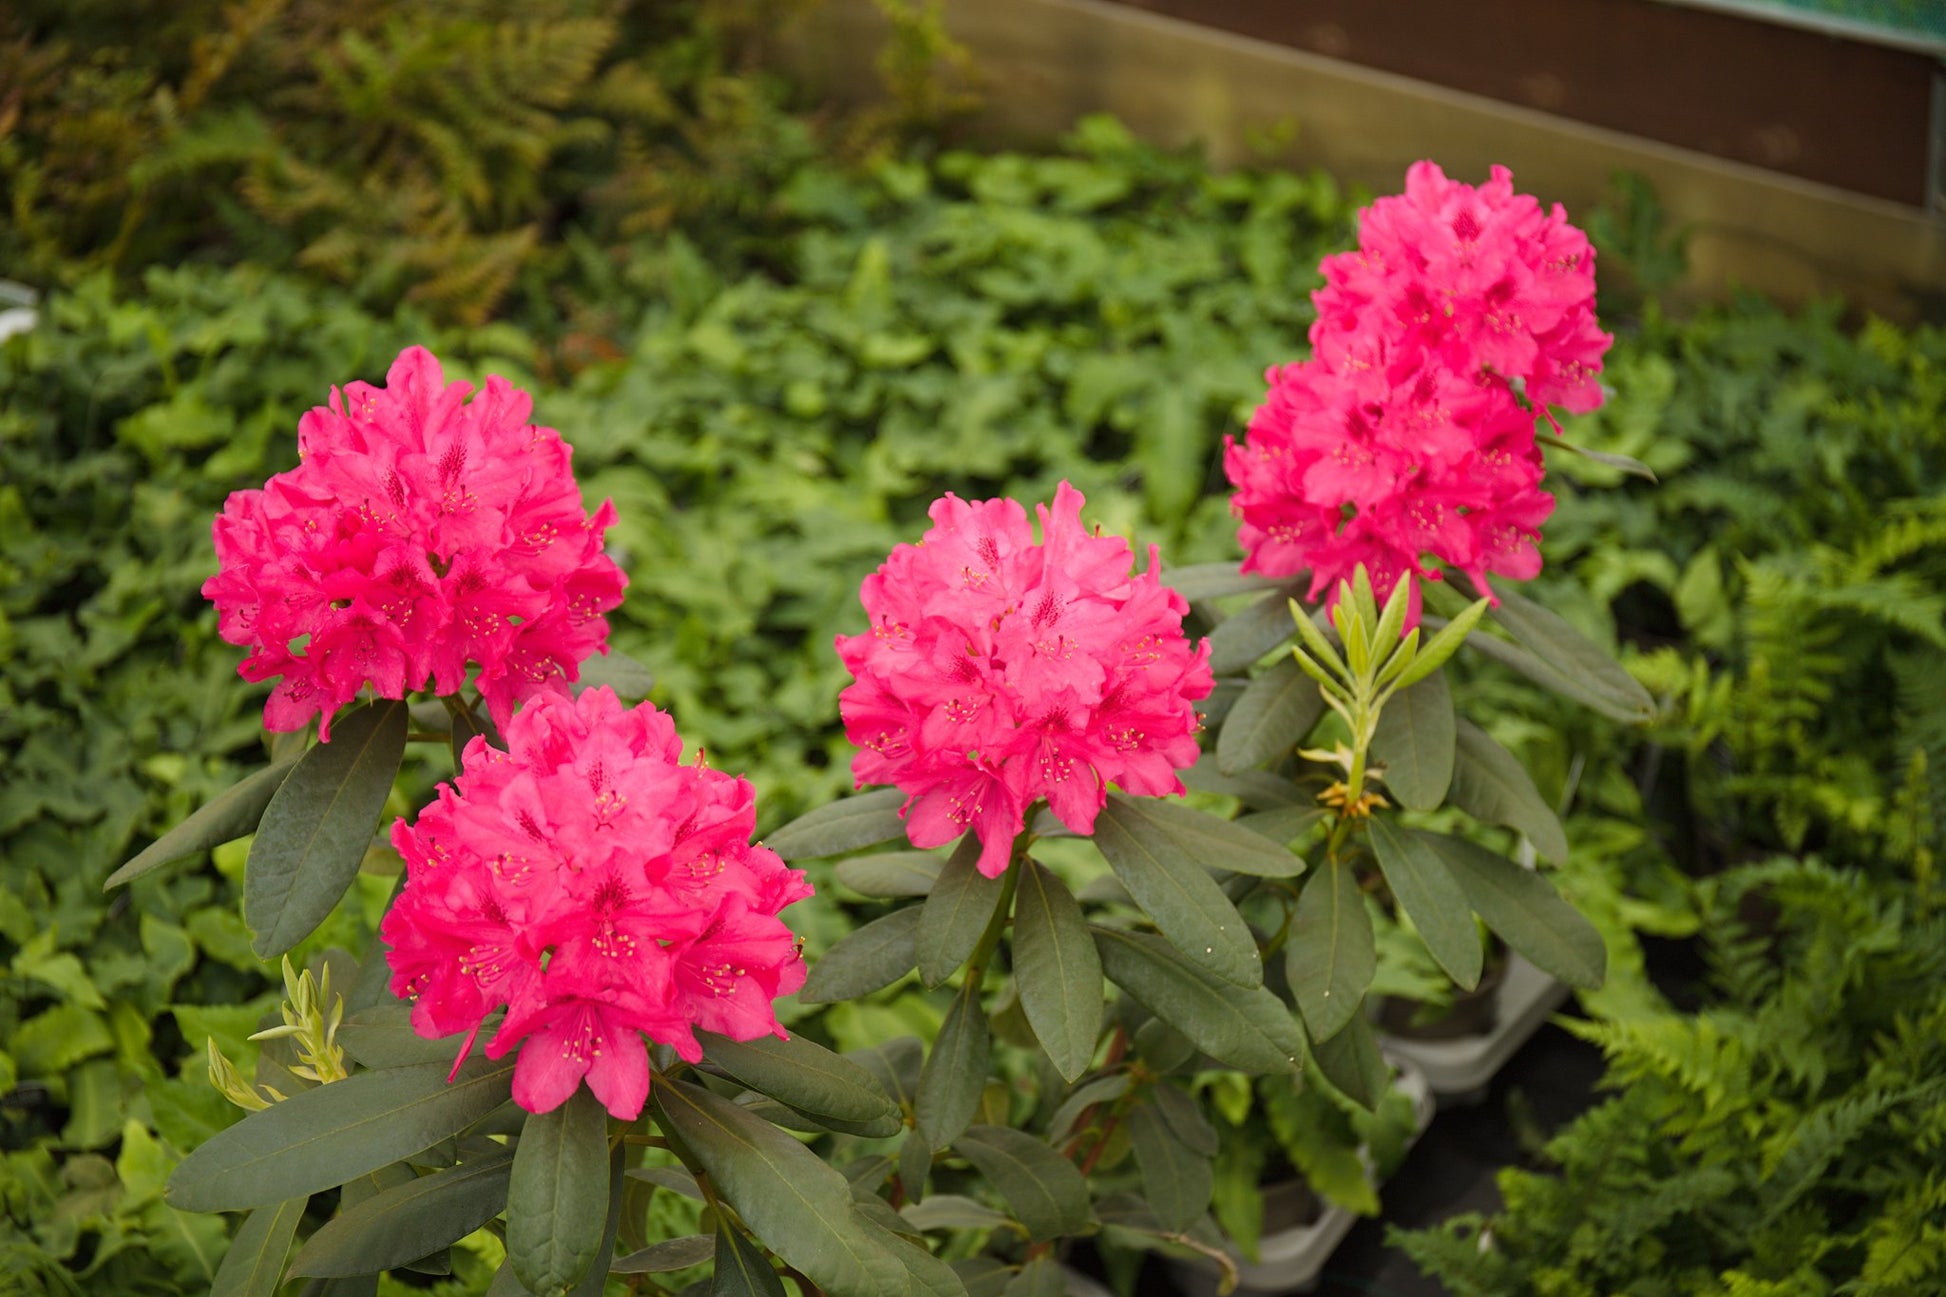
(1460, 1070)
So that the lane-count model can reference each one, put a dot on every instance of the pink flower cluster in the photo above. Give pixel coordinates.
(418, 534)
(998, 670)
(600, 890)
(1407, 441)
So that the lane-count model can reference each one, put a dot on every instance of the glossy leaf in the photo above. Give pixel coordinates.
(1175, 890)
(670, 1254)
(1044, 1190)
(1431, 897)
(402, 1224)
(229, 815)
(955, 913)
(1249, 1029)
(1331, 955)
(955, 1071)
(1277, 709)
(864, 820)
(557, 1198)
(321, 1138)
(891, 874)
(1490, 784)
(1415, 743)
(873, 957)
(806, 1076)
(1523, 907)
(1176, 1179)
(1056, 968)
(318, 825)
(1254, 631)
(1558, 656)
(254, 1265)
(742, 1270)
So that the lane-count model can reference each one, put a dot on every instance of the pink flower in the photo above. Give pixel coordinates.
(600, 891)
(999, 670)
(419, 534)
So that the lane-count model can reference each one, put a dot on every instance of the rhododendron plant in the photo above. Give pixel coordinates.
(420, 533)
(1000, 669)
(598, 889)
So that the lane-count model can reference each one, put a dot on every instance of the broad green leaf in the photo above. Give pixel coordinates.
(1198, 581)
(1284, 824)
(741, 1270)
(1176, 1179)
(1277, 709)
(1431, 897)
(1415, 742)
(895, 1065)
(925, 1274)
(673, 1178)
(229, 815)
(254, 1265)
(321, 1138)
(557, 1197)
(808, 1077)
(983, 1275)
(1175, 890)
(1351, 1063)
(314, 833)
(1056, 969)
(631, 681)
(891, 874)
(1490, 784)
(1523, 907)
(402, 1224)
(1249, 1029)
(1186, 1119)
(955, 1071)
(1103, 1089)
(1044, 1190)
(1256, 630)
(671, 1254)
(1209, 840)
(955, 913)
(846, 825)
(595, 1282)
(1331, 955)
(1041, 1277)
(1257, 789)
(382, 1036)
(953, 1211)
(875, 956)
(797, 1205)
(1563, 659)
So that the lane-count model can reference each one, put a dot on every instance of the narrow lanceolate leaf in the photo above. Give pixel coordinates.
(955, 913)
(1240, 640)
(1431, 897)
(955, 1071)
(1415, 743)
(1056, 969)
(1176, 1179)
(405, 1223)
(875, 956)
(321, 1138)
(1568, 662)
(226, 817)
(954, 1211)
(254, 1265)
(1523, 907)
(1176, 891)
(742, 1270)
(1331, 956)
(1490, 784)
(891, 874)
(315, 830)
(1620, 463)
(1432, 655)
(1044, 1190)
(1249, 1029)
(798, 1206)
(1276, 711)
(861, 821)
(670, 1254)
(595, 1282)
(557, 1198)
(808, 1077)
(1196, 581)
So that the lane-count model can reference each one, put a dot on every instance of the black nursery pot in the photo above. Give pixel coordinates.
(1471, 1013)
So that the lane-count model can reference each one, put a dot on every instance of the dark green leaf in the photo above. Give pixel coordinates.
(861, 821)
(891, 873)
(1415, 742)
(1256, 630)
(1175, 890)
(955, 913)
(983, 1276)
(1102, 1089)
(254, 1265)
(1490, 784)
(1257, 789)
(1276, 711)
(673, 1178)
(671, 1254)
(875, 956)
(1186, 1119)
(1523, 907)
(1431, 897)
(1351, 1062)
(785, 1193)
(1285, 824)
(808, 1077)
(955, 1071)
(1176, 1179)
(1246, 1028)
(952, 1211)
(1209, 840)
(595, 1282)
(1199, 581)
(382, 1036)
(319, 1139)
(402, 1224)
(925, 1274)
(226, 817)
(1331, 956)
(895, 1065)
(318, 825)
(1041, 1277)
(557, 1198)
(1554, 654)
(741, 1270)
(1057, 969)
(1045, 1191)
